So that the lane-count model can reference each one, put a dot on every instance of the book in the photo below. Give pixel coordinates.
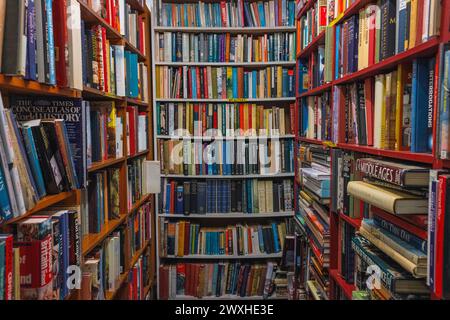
(395, 202)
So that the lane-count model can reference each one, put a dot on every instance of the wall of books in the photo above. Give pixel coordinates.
(76, 219)
(224, 91)
(371, 152)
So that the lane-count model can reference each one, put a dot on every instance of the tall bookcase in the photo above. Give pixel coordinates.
(430, 48)
(210, 218)
(78, 198)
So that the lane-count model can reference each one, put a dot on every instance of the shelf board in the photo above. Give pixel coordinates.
(138, 154)
(17, 84)
(319, 39)
(109, 295)
(316, 91)
(139, 204)
(236, 100)
(355, 222)
(346, 287)
(130, 47)
(104, 164)
(95, 94)
(90, 16)
(305, 8)
(351, 10)
(248, 176)
(236, 30)
(137, 102)
(421, 50)
(91, 240)
(210, 138)
(226, 297)
(231, 215)
(135, 5)
(45, 202)
(401, 155)
(315, 141)
(227, 64)
(225, 257)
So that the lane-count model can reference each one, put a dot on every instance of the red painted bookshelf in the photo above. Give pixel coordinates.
(430, 48)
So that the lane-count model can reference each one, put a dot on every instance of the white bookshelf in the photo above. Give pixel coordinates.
(237, 30)
(227, 64)
(230, 215)
(225, 256)
(237, 100)
(210, 138)
(283, 101)
(220, 176)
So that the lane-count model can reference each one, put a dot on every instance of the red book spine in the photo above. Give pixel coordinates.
(440, 225)
(203, 106)
(108, 12)
(105, 61)
(187, 283)
(420, 11)
(368, 85)
(240, 72)
(205, 82)
(187, 237)
(199, 84)
(196, 282)
(215, 119)
(223, 11)
(172, 196)
(163, 283)
(372, 34)
(60, 38)
(241, 118)
(249, 106)
(8, 281)
(292, 118)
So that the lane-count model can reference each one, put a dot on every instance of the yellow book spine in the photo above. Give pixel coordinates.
(399, 109)
(413, 25)
(279, 82)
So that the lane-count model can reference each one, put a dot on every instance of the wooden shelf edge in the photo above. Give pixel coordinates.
(401, 155)
(20, 85)
(45, 202)
(95, 166)
(316, 90)
(91, 240)
(138, 154)
(139, 204)
(346, 287)
(110, 295)
(312, 45)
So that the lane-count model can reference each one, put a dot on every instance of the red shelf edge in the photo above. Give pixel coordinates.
(346, 287)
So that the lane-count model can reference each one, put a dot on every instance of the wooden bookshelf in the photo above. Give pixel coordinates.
(429, 48)
(232, 217)
(18, 85)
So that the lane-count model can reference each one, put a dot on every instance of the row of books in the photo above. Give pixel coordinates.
(109, 261)
(121, 17)
(35, 40)
(36, 158)
(46, 245)
(226, 196)
(346, 258)
(238, 13)
(223, 120)
(104, 131)
(103, 200)
(230, 157)
(393, 111)
(316, 117)
(312, 23)
(223, 279)
(206, 47)
(223, 83)
(111, 68)
(139, 228)
(183, 238)
(136, 180)
(382, 30)
(444, 105)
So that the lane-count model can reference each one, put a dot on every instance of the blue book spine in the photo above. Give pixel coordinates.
(30, 148)
(31, 70)
(336, 57)
(51, 42)
(169, 15)
(185, 14)
(235, 83)
(254, 77)
(419, 113)
(2, 269)
(134, 74)
(276, 237)
(5, 205)
(194, 83)
(401, 26)
(430, 104)
(248, 16)
(261, 14)
(167, 208)
(179, 205)
(261, 239)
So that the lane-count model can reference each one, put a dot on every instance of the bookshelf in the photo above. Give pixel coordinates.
(13, 85)
(427, 49)
(210, 218)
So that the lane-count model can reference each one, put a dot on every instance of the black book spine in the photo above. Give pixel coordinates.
(187, 197)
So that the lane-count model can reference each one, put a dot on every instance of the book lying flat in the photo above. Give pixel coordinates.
(390, 200)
